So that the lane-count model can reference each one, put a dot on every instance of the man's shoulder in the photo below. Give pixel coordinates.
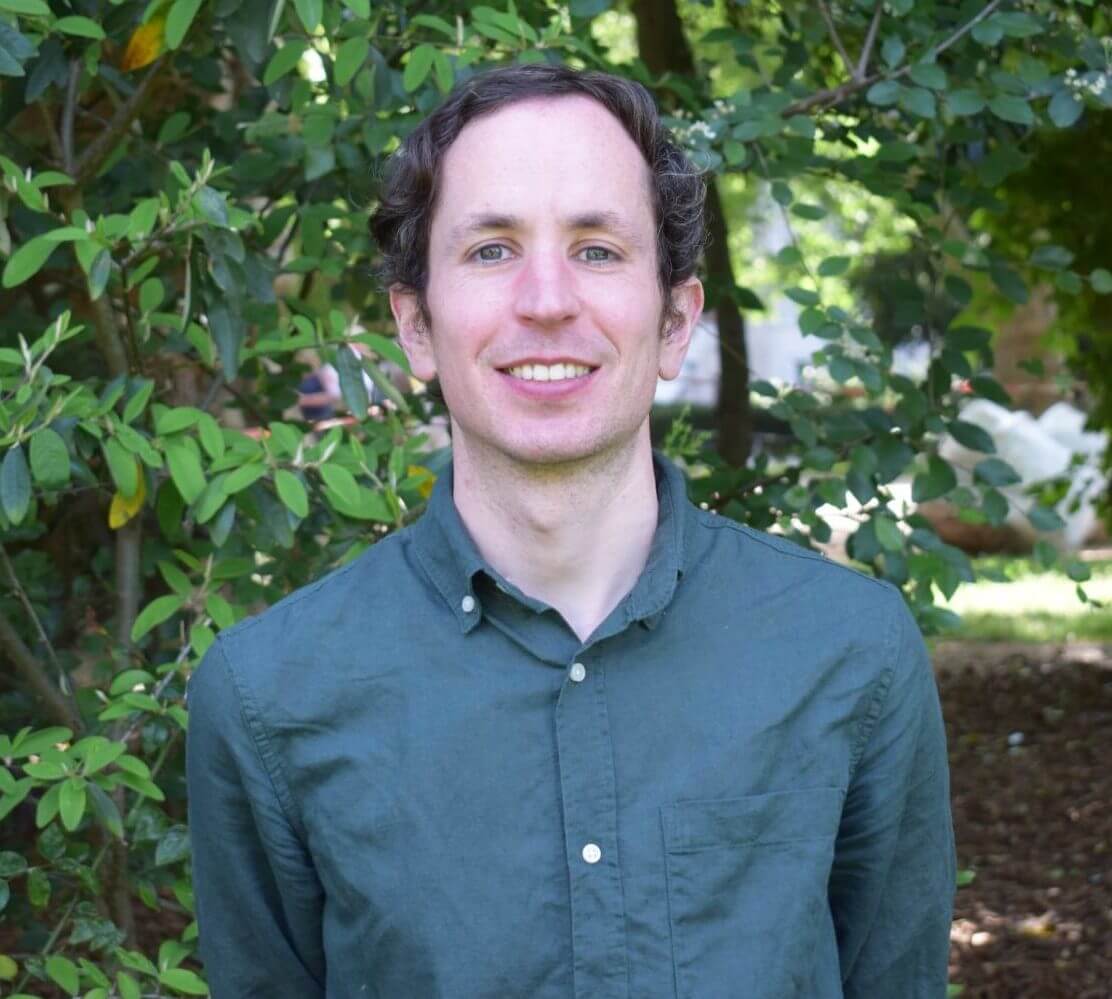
(755, 549)
(765, 566)
(356, 606)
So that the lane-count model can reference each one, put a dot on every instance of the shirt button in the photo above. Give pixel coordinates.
(591, 853)
(578, 672)
(467, 604)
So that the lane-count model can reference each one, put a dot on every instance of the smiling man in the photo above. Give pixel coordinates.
(568, 735)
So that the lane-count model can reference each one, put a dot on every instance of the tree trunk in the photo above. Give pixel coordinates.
(663, 48)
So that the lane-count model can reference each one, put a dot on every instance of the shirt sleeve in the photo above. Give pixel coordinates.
(894, 874)
(259, 901)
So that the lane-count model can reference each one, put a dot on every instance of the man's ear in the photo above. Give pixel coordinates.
(413, 332)
(687, 306)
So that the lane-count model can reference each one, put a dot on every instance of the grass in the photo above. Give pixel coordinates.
(1029, 604)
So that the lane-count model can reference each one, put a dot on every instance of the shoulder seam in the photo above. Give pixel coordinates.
(726, 523)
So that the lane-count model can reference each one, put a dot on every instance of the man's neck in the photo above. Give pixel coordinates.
(574, 536)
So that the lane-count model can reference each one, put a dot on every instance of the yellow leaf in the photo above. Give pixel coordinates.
(147, 43)
(123, 507)
(428, 480)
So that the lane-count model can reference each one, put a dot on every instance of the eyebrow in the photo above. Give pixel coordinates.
(602, 219)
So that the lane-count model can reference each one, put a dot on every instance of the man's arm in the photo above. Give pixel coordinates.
(258, 897)
(892, 885)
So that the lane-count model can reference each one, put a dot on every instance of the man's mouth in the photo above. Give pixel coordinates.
(548, 372)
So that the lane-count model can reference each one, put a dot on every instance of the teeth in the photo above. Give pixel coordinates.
(549, 372)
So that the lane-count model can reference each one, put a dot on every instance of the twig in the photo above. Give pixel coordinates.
(68, 110)
(835, 95)
(17, 587)
(51, 133)
(98, 150)
(870, 41)
(836, 38)
(34, 673)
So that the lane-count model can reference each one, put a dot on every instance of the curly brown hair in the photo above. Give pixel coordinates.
(400, 224)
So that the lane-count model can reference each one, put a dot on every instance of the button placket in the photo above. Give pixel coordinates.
(590, 829)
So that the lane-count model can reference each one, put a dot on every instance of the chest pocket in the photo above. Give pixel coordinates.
(747, 895)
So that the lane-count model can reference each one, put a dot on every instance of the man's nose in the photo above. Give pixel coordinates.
(546, 292)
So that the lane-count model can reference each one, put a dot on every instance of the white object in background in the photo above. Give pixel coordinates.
(1038, 450)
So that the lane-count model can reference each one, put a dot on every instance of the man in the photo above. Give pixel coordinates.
(568, 735)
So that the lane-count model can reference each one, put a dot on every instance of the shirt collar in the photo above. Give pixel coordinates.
(451, 560)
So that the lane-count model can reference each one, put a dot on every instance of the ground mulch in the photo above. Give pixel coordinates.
(1030, 729)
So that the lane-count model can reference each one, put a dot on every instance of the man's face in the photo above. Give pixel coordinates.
(545, 305)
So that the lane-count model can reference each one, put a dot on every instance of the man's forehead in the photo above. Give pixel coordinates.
(566, 157)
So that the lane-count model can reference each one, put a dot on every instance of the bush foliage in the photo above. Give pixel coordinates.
(185, 186)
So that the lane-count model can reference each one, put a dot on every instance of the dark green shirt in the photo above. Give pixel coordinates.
(410, 780)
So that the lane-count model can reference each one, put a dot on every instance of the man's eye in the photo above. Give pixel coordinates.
(598, 255)
(491, 254)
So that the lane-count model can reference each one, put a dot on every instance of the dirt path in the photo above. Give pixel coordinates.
(1030, 730)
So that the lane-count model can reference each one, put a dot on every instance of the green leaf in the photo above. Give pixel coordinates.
(936, 481)
(38, 888)
(417, 67)
(292, 492)
(1009, 282)
(71, 802)
(33, 8)
(228, 330)
(27, 261)
(1101, 281)
(185, 468)
(350, 57)
(1013, 109)
(834, 266)
(972, 436)
(341, 482)
(1051, 257)
(50, 461)
(186, 982)
(178, 21)
(11, 864)
(929, 74)
(995, 472)
(173, 847)
(1065, 108)
(139, 398)
(128, 986)
(1043, 518)
(802, 296)
(988, 32)
(919, 101)
(63, 972)
(352, 386)
(892, 50)
(965, 102)
(212, 206)
(99, 272)
(284, 60)
(122, 465)
(309, 11)
(80, 26)
(884, 93)
(15, 485)
(888, 533)
(158, 610)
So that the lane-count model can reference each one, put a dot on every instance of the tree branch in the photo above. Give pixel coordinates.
(129, 581)
(51, 133)
(824, 9)
(97, 151)
(835, 95)
(33, 672)
(870, 41)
